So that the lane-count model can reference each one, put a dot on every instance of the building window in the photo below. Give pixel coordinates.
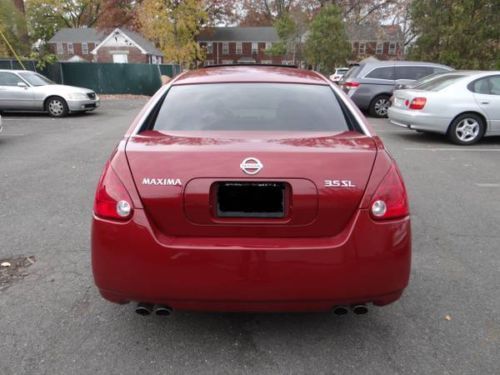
(239, 48)
(362, 48)
(353, 47)
(266, 62)
(59, 48)
(269, 45)
(392, 48)
(71, 51)
(120, 58)
(225, 48)
(209, 62)
(210, 48)
(255, 46)
(85, 48)
(380, 48)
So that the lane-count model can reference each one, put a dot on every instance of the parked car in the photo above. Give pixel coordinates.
(251, 189)
(410, 83)
(370, 84)
(339, 73)
(23, 90)
(463, 105)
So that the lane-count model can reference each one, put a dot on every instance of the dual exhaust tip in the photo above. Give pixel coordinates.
(359, 309)
(146, 309)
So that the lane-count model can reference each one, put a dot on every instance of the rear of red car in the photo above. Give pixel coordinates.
(251, 189)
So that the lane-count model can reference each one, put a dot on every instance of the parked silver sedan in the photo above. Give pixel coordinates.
(463, 105)
(23, 90)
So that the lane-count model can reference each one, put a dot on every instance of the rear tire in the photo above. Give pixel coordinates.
(379, 106)
(56, 106)
(466, 129)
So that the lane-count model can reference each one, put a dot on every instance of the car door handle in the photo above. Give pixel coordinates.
(485, 102)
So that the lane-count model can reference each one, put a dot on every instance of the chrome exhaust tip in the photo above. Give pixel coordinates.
(340, 310)
(144, 308)
(161, 310)
(360, 309)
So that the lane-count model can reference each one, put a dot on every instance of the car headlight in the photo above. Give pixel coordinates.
(78, 96)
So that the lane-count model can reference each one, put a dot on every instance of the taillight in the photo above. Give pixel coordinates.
(112, 200)
(390, 200)
(418, 103)
(351, 85)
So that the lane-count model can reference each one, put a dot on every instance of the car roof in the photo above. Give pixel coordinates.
(401, 63)
(250, 73)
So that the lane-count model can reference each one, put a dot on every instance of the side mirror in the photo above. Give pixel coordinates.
(22, 84)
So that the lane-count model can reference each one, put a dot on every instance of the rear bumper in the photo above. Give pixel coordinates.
(370, 262)
(416, 120)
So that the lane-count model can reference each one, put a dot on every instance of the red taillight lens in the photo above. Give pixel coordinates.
(111, 198)
(390, 200)
(351, 85)
(418, 103)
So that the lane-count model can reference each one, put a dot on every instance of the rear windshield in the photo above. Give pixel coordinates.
(439, 83)
(352, 72)
(251, 106)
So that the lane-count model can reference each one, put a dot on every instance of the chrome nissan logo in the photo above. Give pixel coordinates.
(251, 165)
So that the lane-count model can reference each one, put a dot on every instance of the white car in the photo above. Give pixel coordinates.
(463, 105)
(24, 90)
(339, 73)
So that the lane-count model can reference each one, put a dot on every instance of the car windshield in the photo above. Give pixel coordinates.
(35, 79)
(251, 106)
(440, 83)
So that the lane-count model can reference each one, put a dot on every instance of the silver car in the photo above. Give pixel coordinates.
(23, 90)
(463, 105)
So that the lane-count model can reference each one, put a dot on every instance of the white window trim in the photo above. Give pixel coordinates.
(210, 47)
(59, 48)
(379, 49)
(71, 48)
(392, 48)
(256, 49)
(239, 48)
(269, 45)
(85, 48)
(225, 48)
(363, 49)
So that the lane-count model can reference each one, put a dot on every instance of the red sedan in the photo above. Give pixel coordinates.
(251, 188)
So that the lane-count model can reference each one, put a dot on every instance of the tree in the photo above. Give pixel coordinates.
(326, 45)
(117, 13)
(462, 33)
(45, 17)
(173, 25)
(13, 27)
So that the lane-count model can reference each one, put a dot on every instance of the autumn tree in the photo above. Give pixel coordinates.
(326, 45)
(464, 34)
(173, 25)
(45, 17)
(13, 28)
(117, 13)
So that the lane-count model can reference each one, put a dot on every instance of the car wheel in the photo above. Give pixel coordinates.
(379, 106)
(466, 129)
(56, 106)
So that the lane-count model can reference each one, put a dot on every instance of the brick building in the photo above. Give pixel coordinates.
(119, 46)
(229, 45)
(381, 41)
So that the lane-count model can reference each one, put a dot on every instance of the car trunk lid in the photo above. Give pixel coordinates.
(193, 183)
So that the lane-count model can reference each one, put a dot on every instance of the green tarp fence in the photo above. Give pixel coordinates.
(105, 78)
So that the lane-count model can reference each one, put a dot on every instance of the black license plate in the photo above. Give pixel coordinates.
(251, 199)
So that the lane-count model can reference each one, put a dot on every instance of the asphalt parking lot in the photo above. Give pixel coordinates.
(54, 322)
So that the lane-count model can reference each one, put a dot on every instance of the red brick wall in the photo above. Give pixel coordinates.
(105, 55)
(371, 49)
(217, 56)
(77, 50)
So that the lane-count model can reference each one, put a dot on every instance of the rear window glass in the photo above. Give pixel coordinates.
(251, 106)
(440, 82)
(352, 72)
